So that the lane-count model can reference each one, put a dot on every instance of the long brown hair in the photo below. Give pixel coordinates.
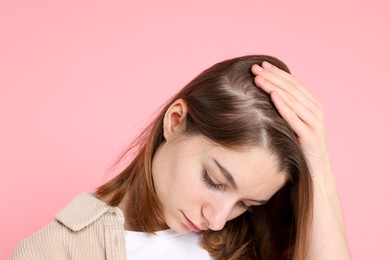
(226, 106)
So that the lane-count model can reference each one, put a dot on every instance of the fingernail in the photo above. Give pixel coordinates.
(258, 68)
(267, 65)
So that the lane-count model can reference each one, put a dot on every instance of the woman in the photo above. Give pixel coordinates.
(235, 166)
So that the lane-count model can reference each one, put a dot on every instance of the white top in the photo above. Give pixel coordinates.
(166, 244)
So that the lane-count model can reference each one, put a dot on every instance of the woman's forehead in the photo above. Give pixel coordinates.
(243, 158)
(253, 167)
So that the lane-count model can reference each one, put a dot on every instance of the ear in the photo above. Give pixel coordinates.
(174, 117)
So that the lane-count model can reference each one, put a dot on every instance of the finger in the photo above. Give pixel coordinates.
(291, 78)
(306, 115)
(286, 81)
(269, 81)
(297, 125)
(285, 75)
(257, 69)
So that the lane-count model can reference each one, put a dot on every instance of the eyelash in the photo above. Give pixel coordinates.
(211, 184)
(246, 207)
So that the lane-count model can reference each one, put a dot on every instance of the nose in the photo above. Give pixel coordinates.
(217, 214)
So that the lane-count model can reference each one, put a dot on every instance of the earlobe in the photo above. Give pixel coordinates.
(174, 117)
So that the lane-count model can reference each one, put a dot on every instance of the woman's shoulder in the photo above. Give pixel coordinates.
(40, 244)
(84, 210)
(77, 223)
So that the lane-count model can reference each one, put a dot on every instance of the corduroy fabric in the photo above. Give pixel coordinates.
(87, 228)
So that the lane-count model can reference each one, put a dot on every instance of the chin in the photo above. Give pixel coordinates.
(179, 228)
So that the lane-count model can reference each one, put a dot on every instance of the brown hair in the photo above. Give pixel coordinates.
(226, 106)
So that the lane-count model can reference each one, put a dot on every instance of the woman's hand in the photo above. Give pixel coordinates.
(301, 111)
(306, 117)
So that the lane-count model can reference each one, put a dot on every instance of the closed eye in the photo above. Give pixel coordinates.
(209, 182)
(244, 206)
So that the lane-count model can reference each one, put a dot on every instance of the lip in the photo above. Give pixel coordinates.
(191, 225)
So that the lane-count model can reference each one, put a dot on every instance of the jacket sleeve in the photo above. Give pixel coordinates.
(42, 245)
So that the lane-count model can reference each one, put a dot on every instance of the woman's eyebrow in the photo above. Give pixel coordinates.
(229, 177)
(226, 173)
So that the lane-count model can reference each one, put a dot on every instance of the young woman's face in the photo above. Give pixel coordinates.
(202, 185)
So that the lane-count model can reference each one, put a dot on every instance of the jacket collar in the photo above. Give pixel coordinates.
(84, 210)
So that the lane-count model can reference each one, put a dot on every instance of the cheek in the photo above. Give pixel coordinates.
(187, 186)
(187, 176)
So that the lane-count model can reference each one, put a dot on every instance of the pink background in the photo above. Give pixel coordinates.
(79, 79)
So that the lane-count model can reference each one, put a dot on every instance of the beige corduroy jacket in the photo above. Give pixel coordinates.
(87, 228)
